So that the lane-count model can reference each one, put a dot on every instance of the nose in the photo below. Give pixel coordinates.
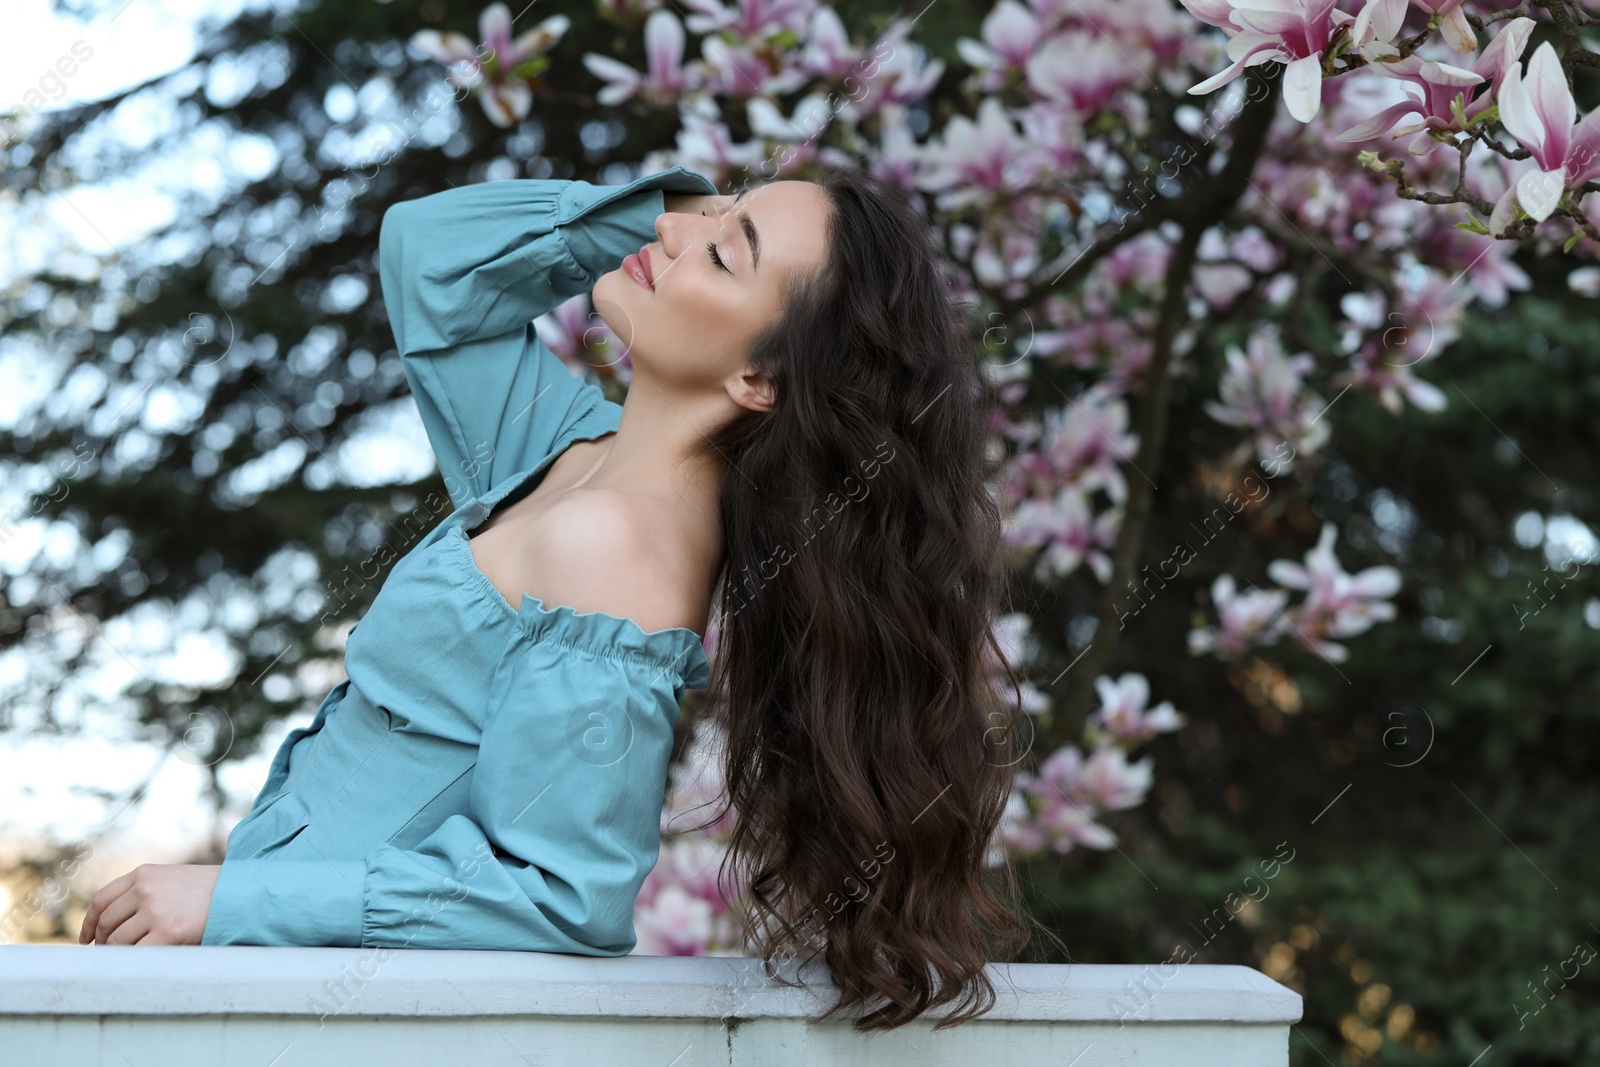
(663, 228)
(675, 229)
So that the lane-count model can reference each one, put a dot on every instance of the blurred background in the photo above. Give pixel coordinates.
(1304, 558)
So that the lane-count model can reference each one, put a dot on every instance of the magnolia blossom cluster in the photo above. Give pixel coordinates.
(502, 70)
(1444, 92)
(1336, 604)
(1048, 154)
(1047, 489)
(1057, 807)
(1264, 391)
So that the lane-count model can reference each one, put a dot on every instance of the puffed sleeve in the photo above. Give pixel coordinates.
(563, 825)
(465, 271)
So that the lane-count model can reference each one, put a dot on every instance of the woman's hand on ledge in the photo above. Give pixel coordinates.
(153, 904)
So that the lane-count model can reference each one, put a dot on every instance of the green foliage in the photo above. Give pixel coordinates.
(1460, 863)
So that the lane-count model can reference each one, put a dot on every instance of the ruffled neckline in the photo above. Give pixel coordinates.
(676, 648)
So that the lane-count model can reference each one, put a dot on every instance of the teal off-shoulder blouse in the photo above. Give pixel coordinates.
(489, 775)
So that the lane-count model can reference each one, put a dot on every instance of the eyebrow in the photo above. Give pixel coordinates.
(749, 229)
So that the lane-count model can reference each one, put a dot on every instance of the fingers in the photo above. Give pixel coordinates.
(134, 930)
(97, 904)
(114, 915)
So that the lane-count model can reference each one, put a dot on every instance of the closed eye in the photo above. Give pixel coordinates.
(711, 250)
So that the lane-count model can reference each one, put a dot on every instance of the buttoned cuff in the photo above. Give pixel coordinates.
(287, 902)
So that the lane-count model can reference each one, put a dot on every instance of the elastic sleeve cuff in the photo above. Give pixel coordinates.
(287, 902)
(602, 237)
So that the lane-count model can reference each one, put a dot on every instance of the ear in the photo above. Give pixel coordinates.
(753, 391)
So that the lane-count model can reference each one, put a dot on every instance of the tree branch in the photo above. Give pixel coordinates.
(1197, 213)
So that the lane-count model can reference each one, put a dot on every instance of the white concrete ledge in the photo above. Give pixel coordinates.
(247, 1005)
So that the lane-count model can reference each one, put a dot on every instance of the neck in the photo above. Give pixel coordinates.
(650, 451)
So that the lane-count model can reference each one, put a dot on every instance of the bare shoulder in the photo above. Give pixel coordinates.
(599, 550)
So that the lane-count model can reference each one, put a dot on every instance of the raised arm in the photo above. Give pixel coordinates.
(465, 271)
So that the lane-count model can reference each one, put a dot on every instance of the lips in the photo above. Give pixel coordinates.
(637, 266)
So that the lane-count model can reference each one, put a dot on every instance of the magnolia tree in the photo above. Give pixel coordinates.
(1132, 192)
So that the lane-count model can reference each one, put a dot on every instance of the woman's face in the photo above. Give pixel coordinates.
(692, 332)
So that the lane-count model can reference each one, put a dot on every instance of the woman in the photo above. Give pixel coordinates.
(802, 446)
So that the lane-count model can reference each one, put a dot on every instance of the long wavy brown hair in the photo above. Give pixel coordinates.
(868, 757)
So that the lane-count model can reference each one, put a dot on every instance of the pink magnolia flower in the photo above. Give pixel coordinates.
(1265, 391)
(1061, 824)
(695, 802)
(1082, 445)
(1438, 85)
(1010, 36)
(812, 115)
(1106, 780)
(1095, 343)
(705, 144)
(1016, 831)
(828, 51)
(1453, 26)
(1122, 713)
(897, 72)
(750, 20)
(500, 69)
(1376, 27)
(1248, 620)
(1055, 135)
(1081, 69)
(976, 160)
(1069, 531)
(1054, 809)
(899, 159)
(674, 923)
(1491, 274)
(683, 904)
(1426, 318)
(740, 70)
(1294, 31)
(665, 79)
(692, 861)
(1503, 53)
(1152, 32)
(1541, 114)
(1337, 604)
(1220, 283)
(1139, 264)
(1006, 256)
